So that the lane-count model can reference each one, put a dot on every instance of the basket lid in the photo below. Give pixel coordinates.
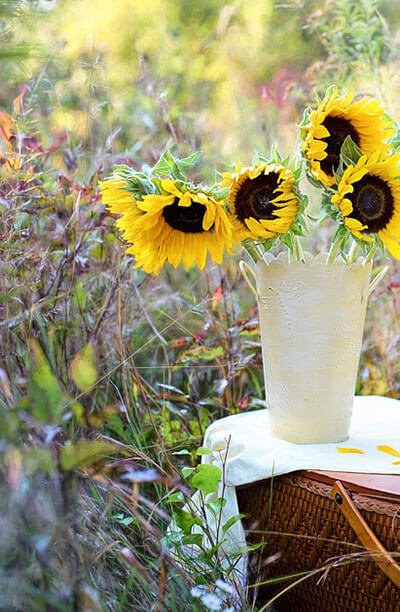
(376, 485)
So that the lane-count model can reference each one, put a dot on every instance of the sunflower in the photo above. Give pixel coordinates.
(336, 118)
(118, 199)
(368, 198)
(261, 200)
(178, 226)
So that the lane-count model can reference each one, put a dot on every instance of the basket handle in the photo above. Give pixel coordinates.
(246, 270)
(364, 533)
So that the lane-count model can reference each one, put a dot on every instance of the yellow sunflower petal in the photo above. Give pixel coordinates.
(154, 202)
(200, 253)
(389, 450)
(146, 222)
(320, 131)
(367, 124)
(355, 225)
(170, 186)
(256, 229)
(279, 182)
(393, 246)
(186, 199)
(256, 170)
(154, 238)
(115, 194)
(209, 216)
(346, 207)
(369, 191)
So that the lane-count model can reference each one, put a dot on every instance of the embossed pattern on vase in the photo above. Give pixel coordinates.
(312, 319)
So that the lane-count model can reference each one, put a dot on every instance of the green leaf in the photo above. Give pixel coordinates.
(84, 453)
(206, 478)
(138, 183)
(250, 548)
(176, 497)
(187, 471)
(395, 142)
(216, 505)
(193, 538)
(313, 181)
(167, 167)
(139, 186)
(44, 398)
(165, 164)
(350, 153)
(124, 520)
(78, 411)
(203, 451)
(83, 368)
(171, 388)
(206, 353)
(187, 163)
(286, 239)
(231, 521)
(185, 520)
(79, 296)
(184, 451)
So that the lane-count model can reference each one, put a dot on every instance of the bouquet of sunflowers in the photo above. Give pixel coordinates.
(348, 151)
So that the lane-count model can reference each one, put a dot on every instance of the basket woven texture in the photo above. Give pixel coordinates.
(303, 529)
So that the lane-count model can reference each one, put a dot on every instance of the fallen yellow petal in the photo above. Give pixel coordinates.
(389, 450)
(346, 449)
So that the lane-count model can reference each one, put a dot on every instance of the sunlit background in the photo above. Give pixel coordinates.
(225, 77)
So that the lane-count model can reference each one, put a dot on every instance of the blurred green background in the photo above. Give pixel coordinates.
(225, 77)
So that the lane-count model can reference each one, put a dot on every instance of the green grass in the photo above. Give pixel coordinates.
(151, 383)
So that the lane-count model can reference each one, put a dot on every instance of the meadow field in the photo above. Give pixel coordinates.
(110, 376)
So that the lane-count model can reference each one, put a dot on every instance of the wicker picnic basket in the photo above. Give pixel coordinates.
(333, 530)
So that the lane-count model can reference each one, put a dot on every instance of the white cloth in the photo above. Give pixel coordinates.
(244, 448)
(254, 454)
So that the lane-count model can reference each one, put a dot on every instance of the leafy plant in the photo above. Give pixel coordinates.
(199, 536)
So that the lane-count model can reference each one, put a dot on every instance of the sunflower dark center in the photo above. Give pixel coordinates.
(253, 198)
(373, 203)
(338, 129)
(188, 219)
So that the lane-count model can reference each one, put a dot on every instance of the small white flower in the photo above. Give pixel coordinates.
(211, 601)
(197, 591)
(225, 586)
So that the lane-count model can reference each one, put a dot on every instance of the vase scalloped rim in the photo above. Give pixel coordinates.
(309, 259)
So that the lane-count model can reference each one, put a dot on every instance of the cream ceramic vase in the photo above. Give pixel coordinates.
(311, 320)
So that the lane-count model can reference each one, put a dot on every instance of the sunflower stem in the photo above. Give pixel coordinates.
(252, 251)
(297, 249)
(370, 254)
(334, 250)
(353, 252)
(259, 250)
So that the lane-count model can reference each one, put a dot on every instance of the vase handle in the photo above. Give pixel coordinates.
(377, 279)
(246, 270)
